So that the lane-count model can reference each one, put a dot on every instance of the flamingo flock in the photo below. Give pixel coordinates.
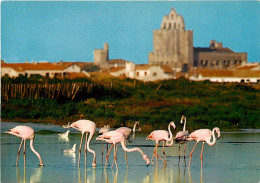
(121, 136)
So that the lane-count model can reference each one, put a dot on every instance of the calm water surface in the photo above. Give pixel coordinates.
(234, 158)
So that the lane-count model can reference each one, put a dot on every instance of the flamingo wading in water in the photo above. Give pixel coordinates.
(203, 135)
(103, 130)
(85, 126)
(114, 137)
(127, 132)
(181, 138)
(25, 132)
(161, 135)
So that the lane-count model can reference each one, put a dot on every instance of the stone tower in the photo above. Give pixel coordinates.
(101, 56)
(172, 44)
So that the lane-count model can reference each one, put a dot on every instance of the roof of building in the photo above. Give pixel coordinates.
(38, 66)
(116, 69)
(228, 73)
(115, 61)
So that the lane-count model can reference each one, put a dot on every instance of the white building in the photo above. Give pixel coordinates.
(148, 72)
(46, 69)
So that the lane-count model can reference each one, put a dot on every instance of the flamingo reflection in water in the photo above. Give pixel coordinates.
(114, 137)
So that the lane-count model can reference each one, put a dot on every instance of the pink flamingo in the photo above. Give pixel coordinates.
(85, 126)
(181, 138)
(203, 135)
(25, 132)
(114, 137)
(161, 135)
(103, 130)
(127, 132)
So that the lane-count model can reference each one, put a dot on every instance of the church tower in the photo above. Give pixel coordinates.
(172, 44)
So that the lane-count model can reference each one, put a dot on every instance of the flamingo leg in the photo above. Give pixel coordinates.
(192, 152)
(156, 147)
(179, 154)
(201, 154)
(18, 153)
(184, 156)
(126, 156)
(115, 157)
(86, 149)
(164, 151)
(102, 152)
(157, 156)
(154, 153)
(80, 147)
(108, 154)
(24, 152)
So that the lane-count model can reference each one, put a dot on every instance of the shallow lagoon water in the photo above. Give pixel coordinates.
(234, 158)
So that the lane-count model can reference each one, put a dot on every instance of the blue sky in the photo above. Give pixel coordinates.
(70, 31)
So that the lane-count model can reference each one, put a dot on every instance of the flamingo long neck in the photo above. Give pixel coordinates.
(90, 150)
(131, 150)
(184, 126)
(133, 135)
(136, 123)
(35, 152)
(169, 129)
(214, 138)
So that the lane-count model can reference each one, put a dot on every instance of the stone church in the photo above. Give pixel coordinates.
(172, 43)
(173, 46)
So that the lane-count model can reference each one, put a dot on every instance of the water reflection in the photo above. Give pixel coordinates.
(72, 156)
(36, 175)
(86, 177)
(201, 176)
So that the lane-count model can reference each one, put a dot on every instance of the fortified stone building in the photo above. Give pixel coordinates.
(173, 46)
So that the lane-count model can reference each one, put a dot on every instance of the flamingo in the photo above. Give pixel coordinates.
(64, 134)
(85, 126)
(25, 132)
(103, 130)
(161, 135)
(127, 132)
(114, 137)
(203, 135)
(71, 150)
(181, 137)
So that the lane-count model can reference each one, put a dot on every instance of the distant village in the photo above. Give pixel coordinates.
(173, 56)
